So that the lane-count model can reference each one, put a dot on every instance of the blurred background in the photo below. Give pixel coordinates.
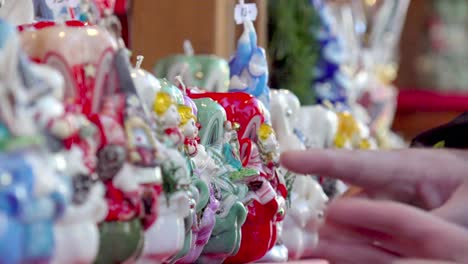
(432, 75)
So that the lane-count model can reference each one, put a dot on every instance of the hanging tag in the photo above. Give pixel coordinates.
(245, 12)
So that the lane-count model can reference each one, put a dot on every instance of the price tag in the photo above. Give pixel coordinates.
(245, 12)
(60, 4)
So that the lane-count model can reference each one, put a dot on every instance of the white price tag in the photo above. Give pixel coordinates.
(245, 12)
(59, 4)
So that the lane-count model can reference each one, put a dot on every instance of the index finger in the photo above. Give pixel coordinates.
(375, 169)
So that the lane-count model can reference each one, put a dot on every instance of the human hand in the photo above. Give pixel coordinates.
(419, 261)
(363, 231)
(433, 180)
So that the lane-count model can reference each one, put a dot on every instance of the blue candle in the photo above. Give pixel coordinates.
(330, 83)
(249, 67)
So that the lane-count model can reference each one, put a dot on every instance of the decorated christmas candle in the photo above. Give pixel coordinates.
(330, 82)
(249, 67)
(208, 72)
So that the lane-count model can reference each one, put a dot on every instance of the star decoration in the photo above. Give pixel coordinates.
(133, 101)
(90, 71)
(5, 179)
(199, 75)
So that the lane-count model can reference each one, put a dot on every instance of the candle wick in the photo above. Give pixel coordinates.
(188, 48)
(328, 105)
(182, 84)
(139, 61)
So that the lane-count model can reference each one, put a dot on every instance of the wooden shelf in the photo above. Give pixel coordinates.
(159, 27)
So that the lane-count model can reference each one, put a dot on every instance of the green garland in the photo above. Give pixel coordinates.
(293, 49)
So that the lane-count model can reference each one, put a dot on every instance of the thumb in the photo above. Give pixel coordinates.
(400, 228)
(455, 209)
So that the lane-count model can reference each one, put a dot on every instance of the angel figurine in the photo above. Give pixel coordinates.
(168, 120)
(189, 129)
(268, 145)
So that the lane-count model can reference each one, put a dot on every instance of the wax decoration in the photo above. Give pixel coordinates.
(124, 145)
(33, 194)
(205, 71)
(168, 119)
(146, 84)
(204, 220)
(306, 198)
(92, 11)
(230, 214)
(249, 67)
(264, 208)
(330, 81)
(339, 129)
(371, 40)
(118, 166)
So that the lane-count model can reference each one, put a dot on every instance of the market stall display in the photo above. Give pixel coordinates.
(103, 162)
